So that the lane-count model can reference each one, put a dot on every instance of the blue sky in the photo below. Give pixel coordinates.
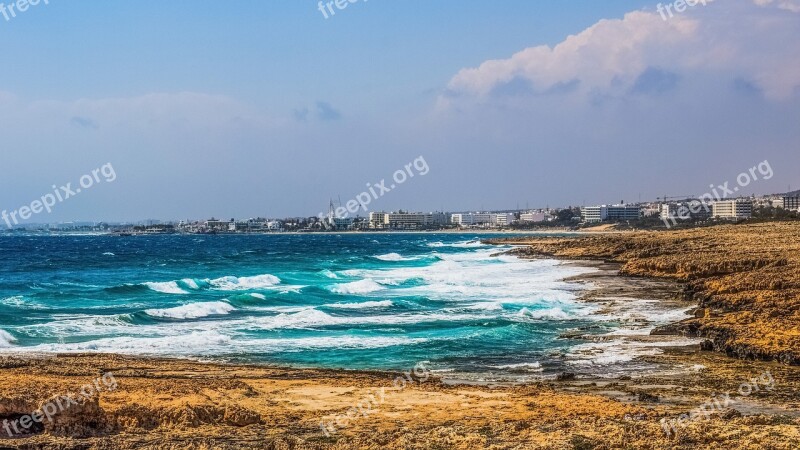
(261, 108)
(275, 53)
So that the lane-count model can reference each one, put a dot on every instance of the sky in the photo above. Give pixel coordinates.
(269, 109)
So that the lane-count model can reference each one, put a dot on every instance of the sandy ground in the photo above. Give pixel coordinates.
(181, 404)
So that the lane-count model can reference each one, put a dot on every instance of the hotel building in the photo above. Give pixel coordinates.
(732, 209)
(404, 220)
(594, 214)
(791, 203)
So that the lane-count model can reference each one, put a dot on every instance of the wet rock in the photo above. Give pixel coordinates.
(646, 397)
(565, 376)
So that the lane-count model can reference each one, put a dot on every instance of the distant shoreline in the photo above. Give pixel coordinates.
(329, 233)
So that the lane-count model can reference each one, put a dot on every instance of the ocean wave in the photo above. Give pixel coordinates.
(6, 339)
(204, 343)
(191, 343)
(313, 318)
(192, 311)
(327, 273)
(186, 285)
(463, 244)
(165, 287)
(16, 300)
(245, 283)
(545, 314)
(363, 305)
(365, 286)
(394, 257)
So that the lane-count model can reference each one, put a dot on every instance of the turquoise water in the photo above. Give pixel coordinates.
(356, 301)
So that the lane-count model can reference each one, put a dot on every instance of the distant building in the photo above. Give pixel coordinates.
(733, 209)
(594, 214)
(474, 219)
(377, 220)
(219, 225)
(274, 225)
(692, 210)
(791, 203)
(505, 219)
(405, 220)
(533, 217)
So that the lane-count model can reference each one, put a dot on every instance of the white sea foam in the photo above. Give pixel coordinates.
(362, 305)
(203, 343)
(521, 367)
(190, 283)
(166, 287)
(193, 310)
(356, 287)
(108, 254)
(329, 274)
(394, 257)
(622, 350)
(244, 283)
(479, 276)
(258, 296)
(312, 318)
(463, 244)
(546, 314)
(6, 339)
(16, 300)
(484, 306)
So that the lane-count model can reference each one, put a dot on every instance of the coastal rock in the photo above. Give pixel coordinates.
(82, 417)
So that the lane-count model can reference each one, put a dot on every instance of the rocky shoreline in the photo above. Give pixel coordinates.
(177, 404)
(744, 278)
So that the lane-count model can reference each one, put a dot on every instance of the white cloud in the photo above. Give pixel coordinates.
(789, 5)
(759, 44)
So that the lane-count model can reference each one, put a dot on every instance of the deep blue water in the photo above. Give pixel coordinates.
(357, 301)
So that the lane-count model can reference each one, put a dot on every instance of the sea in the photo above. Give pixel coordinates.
(344, 301)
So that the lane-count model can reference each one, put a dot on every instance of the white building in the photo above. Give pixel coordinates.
(473, 219)
(594, 214)
(377, 220)
(733, 209)
(505, 219)
(533, 217)
(404, 220)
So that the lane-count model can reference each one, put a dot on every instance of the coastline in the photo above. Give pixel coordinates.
(176, 403)
(744, 278)
(167, 404)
